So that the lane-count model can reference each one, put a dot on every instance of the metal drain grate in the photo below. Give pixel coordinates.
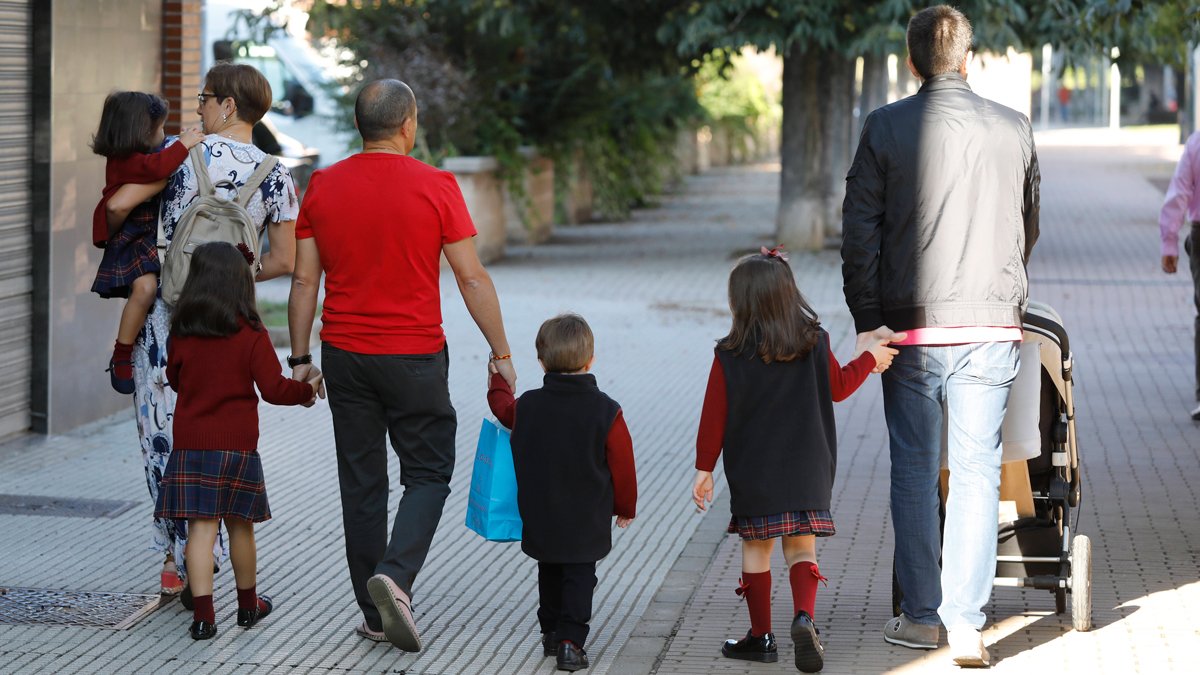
(118, 611)
(37, 505)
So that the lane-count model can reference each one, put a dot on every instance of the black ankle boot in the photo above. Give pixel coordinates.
(549, 644)
(810, 655)
(571, 657)
(752, 648)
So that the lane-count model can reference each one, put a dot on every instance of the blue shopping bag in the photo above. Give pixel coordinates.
(492, 504)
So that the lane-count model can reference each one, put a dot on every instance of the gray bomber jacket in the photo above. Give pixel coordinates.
(941, 212)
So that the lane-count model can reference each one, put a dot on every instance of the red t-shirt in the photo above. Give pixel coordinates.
(380, 221)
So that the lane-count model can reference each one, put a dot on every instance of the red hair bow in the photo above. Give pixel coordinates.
(776, 252)
(246, 253)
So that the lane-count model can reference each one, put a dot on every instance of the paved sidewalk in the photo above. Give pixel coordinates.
(1131, 329)
(653, 290)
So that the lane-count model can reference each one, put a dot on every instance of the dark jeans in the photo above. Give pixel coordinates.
(1194, 264)
(565, 599)
(404, 398)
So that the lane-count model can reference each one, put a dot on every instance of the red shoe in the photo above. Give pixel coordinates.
(170, 581)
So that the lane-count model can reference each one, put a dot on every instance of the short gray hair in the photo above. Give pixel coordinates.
(382, 107)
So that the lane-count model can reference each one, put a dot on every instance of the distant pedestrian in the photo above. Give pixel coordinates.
(219, 353)
(1064, 103)
(377, 224)
(131, 127)
(1183, 204)
(769, 407)
(940, 217)
(574, 461)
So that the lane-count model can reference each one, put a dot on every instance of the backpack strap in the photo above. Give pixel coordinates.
(204, 184)
(246, 192)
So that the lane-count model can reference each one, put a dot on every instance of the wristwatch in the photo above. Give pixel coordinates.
(294, 361)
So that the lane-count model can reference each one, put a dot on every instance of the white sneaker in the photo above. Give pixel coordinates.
(966, 647)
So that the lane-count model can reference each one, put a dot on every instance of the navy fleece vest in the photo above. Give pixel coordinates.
(780, 447)
(564, 486)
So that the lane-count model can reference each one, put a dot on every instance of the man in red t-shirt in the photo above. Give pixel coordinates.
(377, 224)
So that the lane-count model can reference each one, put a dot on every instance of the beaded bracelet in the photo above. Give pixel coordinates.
(502, 357)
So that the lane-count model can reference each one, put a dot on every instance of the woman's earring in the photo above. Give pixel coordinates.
(224, 117)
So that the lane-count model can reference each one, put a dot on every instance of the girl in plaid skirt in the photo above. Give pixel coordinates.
(769, 407)
(131, 126)
(219, 352)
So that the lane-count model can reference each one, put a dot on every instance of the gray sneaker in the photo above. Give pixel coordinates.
(905, 632)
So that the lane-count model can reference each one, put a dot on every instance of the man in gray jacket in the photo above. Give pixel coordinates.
(940, 215)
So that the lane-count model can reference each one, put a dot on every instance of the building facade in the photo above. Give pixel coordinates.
(58, 60)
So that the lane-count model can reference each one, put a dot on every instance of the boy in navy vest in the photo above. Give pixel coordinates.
(574, 463)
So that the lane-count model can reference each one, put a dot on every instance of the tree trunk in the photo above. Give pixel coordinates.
(840, 127)
(801, 221)
(874, 86)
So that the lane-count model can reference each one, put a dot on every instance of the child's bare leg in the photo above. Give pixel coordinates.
(244, 555)
(202, 534)
(242, 552)
(142, 293)
(802, 548)
(756, 555)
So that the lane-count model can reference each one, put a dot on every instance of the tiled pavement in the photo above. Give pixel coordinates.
(653, 291)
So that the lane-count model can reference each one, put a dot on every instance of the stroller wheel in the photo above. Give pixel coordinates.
(1081, 583)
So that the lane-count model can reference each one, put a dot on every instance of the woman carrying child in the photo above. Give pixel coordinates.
(769, 407)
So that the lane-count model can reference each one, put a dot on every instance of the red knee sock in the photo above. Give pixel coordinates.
(202, 609)
(248, 599)
(804, 577)
(756, 588)
(122, 361)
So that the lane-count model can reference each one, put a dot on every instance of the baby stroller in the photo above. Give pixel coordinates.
(1036, 548)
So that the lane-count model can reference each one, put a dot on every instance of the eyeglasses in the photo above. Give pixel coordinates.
(204, 95)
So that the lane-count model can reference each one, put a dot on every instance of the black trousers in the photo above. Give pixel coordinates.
(404, 398)
(1189, 245)
(565, 599)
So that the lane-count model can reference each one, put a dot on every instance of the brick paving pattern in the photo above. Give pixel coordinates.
(653, 290)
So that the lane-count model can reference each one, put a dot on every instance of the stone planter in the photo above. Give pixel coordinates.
(578, 198)
(482, 192)
(529, 218)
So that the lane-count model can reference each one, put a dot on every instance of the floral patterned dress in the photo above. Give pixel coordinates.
(230, 163)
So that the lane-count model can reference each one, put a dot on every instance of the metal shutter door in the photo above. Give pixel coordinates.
(16, 252)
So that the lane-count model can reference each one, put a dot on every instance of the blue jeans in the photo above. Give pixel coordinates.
(973, 381)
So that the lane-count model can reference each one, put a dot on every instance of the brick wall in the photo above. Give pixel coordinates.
(182, 49)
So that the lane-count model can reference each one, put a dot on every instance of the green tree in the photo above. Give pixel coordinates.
(820, 41)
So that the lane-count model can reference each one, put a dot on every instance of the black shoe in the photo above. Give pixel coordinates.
(571, 657)
(549, 644)
(249, 617)
(185, 598)
(810, 655)
(121, 385)
(203, 630)
(752, 648)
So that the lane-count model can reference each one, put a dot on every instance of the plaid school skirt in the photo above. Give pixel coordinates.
(213, 484)
(130, 253)
(788, 524)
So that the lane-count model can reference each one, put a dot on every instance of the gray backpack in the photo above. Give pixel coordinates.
(210, 218)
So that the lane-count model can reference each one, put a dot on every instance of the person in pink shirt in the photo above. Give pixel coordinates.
(1183, 203)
